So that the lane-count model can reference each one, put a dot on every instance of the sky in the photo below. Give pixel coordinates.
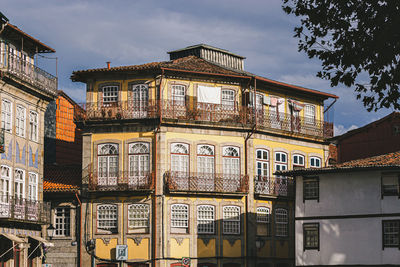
(87, 34)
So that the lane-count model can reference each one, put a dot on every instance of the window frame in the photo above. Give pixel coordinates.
(108, 230)
(384, 245)
(143, 163)
(175, 222)
(65, 223)
(298, 165)
(261, 160)
(115, 97)
(285, 223)
(280, 162)
(6, 182)
(108, 174)
(228, 99)
(236, 223)
(33, 126)
(210, 221)
(178, 98)
(315, 158)
(308, 181)
(7, 115)
(19, 181)
(145, 219)
(33, 185)
(386, 192)
(311, 227)
(20, 122)
(309, 114)
(263, 217)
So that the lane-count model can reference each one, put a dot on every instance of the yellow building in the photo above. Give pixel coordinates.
(179, 157)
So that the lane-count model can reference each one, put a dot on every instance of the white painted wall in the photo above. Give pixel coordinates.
(351, 240)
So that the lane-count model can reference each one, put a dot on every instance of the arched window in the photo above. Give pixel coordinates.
(205, 219)
(180, 164)
(5, 184)
(263, 220)
(315, 162)
(205, 167)
(19, 184)
(298, 161)
(107, 217)
(281, 222)
(140, 100)
(139, 216)
(231, 168)
(262, 162)
(139, 163)
(231, 220)
(107, 164)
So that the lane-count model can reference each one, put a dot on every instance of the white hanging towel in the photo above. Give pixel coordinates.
(208, 94)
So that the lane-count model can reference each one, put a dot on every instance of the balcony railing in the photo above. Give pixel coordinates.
(207, 113)
(29, 73)
(204, 112)
(121, 181)
(286, 122)
(120, 110)
(203, 182)
(24, 210)
(273, 186)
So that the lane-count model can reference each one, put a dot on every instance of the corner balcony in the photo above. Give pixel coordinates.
(273, 186)
(120, 110)
(23, 70)
(286, 122)
(206, 183)
(121, 181)
(24, 210)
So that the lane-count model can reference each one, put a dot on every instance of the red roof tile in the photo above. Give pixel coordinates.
(62, 178)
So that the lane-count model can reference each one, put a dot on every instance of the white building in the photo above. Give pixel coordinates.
(349, 214)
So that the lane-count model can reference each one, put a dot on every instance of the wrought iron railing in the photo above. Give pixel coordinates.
(24, 209)
(117, 110)
(121, 181)
(29, 73)
(203, 182)
(204, 112)
(286, 122)
(207, 113)
(273, 186)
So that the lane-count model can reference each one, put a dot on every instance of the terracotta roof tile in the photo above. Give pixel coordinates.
(62, 178)
(385, 161)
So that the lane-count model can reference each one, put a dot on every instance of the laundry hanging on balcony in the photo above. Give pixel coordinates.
(208, 94)
(296, 106)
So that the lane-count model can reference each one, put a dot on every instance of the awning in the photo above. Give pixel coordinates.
(14, 238)
(42, 240)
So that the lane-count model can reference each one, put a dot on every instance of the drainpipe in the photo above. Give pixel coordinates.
(80, 228)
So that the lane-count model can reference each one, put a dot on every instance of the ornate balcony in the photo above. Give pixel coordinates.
(204, 113)
(208, 183)
(27, 72)
(273, 186)
(120, 110)
(286, 122)
(24, 210)
(121, 181)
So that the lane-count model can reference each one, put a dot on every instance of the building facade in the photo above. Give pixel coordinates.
(62, 179)
(178, 158)
(349, 214)
(25, 91)
(376, 138)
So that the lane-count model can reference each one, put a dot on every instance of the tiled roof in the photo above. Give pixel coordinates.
(385, 161)
(62, 178)
(192, 64)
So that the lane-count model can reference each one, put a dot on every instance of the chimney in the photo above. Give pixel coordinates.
(108, 64)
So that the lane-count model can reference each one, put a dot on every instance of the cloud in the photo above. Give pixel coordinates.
(340, 129)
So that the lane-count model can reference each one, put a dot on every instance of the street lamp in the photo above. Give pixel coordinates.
(50, 231)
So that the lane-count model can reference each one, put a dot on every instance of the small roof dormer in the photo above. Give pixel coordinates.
(212, 54)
